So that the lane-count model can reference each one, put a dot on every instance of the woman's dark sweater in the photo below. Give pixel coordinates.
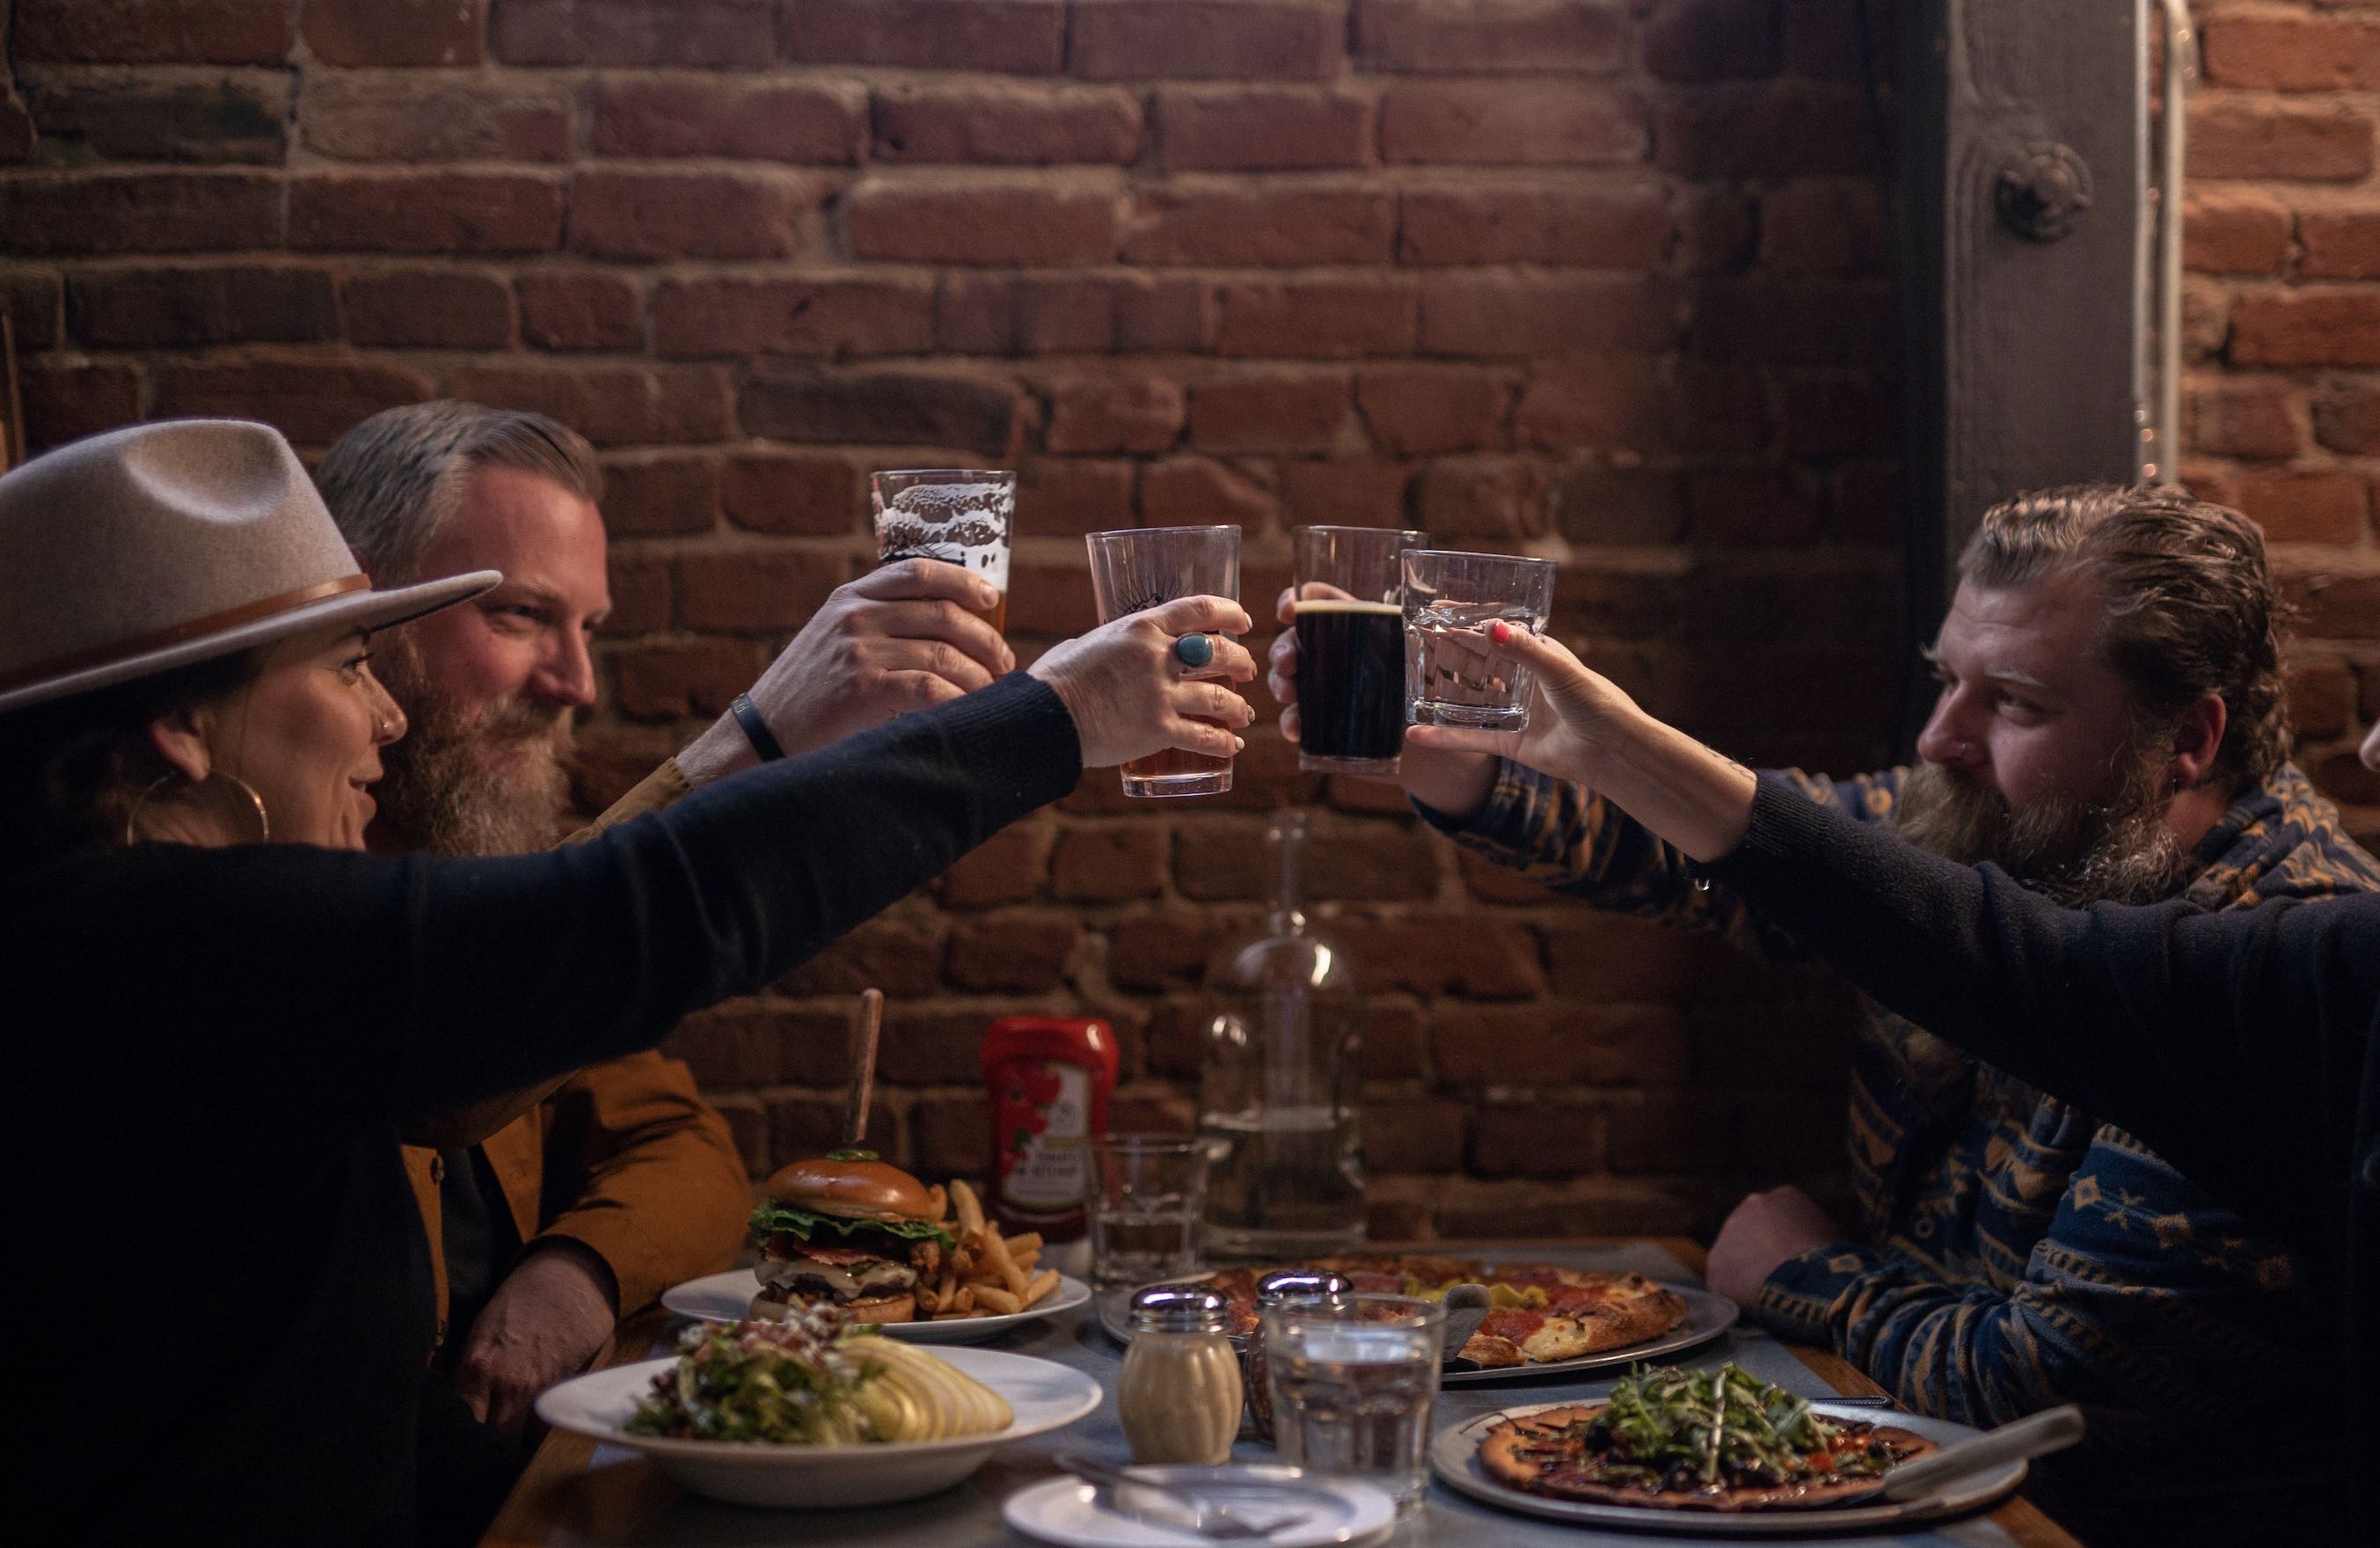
(2240, 1044)
(220, 1044)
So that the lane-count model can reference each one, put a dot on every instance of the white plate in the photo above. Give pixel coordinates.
(1044, 1395)
(1454, 1457)
(727, 1297)
(1345, 1511)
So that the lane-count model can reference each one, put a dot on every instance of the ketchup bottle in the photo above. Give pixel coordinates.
(1049, 1081)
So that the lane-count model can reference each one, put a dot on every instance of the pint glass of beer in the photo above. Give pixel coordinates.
(1349, 614)
(961, 516)
(1140, 568)
(1452, 678)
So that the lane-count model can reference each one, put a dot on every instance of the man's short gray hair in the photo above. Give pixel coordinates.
(393, 480)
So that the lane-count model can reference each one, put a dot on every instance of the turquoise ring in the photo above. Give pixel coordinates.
(1194, 650)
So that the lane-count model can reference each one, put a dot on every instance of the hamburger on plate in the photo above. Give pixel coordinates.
(844, 1230)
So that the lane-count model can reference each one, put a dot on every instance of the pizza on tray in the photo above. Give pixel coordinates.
(1539, 1314)
(1696, 1440)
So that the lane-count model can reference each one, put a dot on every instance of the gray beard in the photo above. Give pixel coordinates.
(491, 782)
(2115, 851)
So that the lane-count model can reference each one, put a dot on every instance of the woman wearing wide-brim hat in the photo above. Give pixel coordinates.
(221, 1008)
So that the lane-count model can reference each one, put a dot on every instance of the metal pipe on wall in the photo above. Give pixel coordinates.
(2161, 437)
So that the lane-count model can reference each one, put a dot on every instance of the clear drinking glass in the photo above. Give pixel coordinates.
(1349, 612)
(1140, 569)
(1148, 1193)
(962, 516)
(1450, 600)
(1354, 1378)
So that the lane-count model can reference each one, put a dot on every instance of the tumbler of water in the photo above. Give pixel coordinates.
(1354, 1378)
(1147, 1194)
(1450, 676)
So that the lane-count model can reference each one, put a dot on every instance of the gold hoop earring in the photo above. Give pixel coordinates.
(255, 803)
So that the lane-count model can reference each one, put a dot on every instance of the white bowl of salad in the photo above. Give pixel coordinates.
(808, 1415)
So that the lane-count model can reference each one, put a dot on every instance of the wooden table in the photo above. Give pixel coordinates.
(610, 1505)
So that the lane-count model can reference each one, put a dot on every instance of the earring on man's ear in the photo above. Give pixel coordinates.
(254, 805)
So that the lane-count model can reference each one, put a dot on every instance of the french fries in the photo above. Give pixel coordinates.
(986, 1274)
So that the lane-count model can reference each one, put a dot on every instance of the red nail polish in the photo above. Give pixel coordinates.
(1500, 632)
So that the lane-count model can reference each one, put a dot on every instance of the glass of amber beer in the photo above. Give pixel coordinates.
(1140, 568)
(1349, 614)
(961, 516)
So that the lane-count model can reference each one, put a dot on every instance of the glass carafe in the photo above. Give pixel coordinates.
(1277, 1097)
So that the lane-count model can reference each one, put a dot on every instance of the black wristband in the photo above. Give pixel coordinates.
(755, 730)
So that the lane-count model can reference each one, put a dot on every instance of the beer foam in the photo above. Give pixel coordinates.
(1302, 606)
(947, 501)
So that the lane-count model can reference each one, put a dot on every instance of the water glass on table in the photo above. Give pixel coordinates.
(1148, 1193)
(1140, 569)
(1353, 1379)
(1348, 609)
(1451, 678)
(961, 516)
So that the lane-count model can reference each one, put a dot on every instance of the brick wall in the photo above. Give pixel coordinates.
(1600, 278)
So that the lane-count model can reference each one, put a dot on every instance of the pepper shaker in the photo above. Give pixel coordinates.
(1179, 1395)
(1279, 1285)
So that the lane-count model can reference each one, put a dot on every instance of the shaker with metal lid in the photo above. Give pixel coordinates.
(1279, 1285)
(1179, 1395)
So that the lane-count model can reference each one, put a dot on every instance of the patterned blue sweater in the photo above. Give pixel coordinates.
(2012, 1251)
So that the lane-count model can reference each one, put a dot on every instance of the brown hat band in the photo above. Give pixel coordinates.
(213, 623)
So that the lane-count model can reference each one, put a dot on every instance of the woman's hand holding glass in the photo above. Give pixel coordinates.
(1128, 692)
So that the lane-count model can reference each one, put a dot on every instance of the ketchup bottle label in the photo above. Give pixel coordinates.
(1041, 1113)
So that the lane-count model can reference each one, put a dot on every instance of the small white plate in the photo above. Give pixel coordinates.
(1043, 1394)
(1345, 1511)
(727, 1297)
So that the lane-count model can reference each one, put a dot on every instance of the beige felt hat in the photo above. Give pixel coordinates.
(150, 548)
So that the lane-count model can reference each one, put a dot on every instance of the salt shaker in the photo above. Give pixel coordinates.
(1179, 1395)
(1271, 1291)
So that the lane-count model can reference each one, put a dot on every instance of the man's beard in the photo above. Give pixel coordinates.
(2115, 851)
(489, 781)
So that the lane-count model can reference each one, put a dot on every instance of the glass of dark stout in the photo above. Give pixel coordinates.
(1349, 613)
(961, 516)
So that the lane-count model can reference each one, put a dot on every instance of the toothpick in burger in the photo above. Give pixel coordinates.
(844, 1230)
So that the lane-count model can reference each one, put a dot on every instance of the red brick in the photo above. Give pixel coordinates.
(2347, 417)
(795, 493)
(2241, 417)
(1595, 1207)
(1067, 314)
(1537, 223)
(831, 315)
(1760, 507)
(2292, 53)
(1575, 1044)
(1791, 322)
(755, 590)
(2206, 320)
(757, 1042)
(1273, 411)
(1840, 416)
(2234, 234)
(238, 116)
(407, 118)
(1370, 863)
(1713, 40)
(1262, 226)
(1013, 37)
(1122, 411)
(2344, 607)
(1512, 1141)
(642, 594)
(584, 309)
(425, 211)
(1262, 128)
(1009, 867)
(1713, 406)
(1066, 496)
(31, 301)
(1481, 497)
(1161, 951)
(139, 212)
(692, 677)
(189, 307)
(1346, 492)
(1208, 39)
(2322, 697)
(1767, 131)
(1716, 231)
(395, 31)
(429, 307)
(1531, 315)
(1824, 227)
(311, 400)
(610, 405)
(2339, 244)
(822, 123)
(883, 408)
(68, 397)
(1604, 404)
(1053, 597)
(1109, 864)
(2328, 505)
(672, 494)
(691, 214)
(18, 134)
(1622, 504)
(981, 219)
(2342, 776)
(1419, 411)
(2337, 327)
(2286, 144)
(151, 31)
(1477, 36)
(1499, 123)
(1021, 951)
(1318, 318)
(949, 1135)
(1413, 1134)
(807, 1125)
(1194, 490)
(1005, 125)
(701, 32)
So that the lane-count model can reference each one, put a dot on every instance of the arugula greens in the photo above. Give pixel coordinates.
(770, 1218)
(1722, 1426)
